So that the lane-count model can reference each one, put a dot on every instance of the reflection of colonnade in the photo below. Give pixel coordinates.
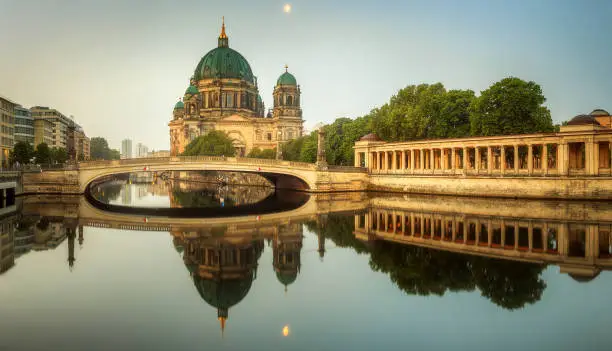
(581, 148)
(579, 248)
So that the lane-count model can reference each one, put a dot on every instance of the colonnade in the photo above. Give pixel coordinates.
(493, 235)
(537, 154)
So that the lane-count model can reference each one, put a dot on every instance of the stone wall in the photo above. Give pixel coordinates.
(593, 188)
(58, 182)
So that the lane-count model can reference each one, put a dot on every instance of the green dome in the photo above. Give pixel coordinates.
(179, 105)
(192, 90)
(223, 62)
(223, 294)
(286, 79)
(259, 99)
(286, 278)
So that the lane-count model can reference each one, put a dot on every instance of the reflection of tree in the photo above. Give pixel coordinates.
(339, 229)
(204, 198)
(508, 284)
(423, 271)
(108, 192)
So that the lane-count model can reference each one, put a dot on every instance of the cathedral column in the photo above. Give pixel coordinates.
(502, 166)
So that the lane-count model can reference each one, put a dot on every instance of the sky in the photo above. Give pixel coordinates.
(119, 66)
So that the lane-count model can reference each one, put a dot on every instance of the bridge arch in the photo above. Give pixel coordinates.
(283, 174)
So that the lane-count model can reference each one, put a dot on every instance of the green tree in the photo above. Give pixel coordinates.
(215, 143)
(259, 153)
(452, 117)
(291, 150)
(43, 154)
(22, 152)
(510, 106)
(114, 154)
(308, 153)
(58, 155)
(408, 115)
(98, 148)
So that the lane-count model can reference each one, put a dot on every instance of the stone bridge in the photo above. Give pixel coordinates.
(75, 179)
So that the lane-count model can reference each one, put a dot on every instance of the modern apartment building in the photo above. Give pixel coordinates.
(43, 131)
(126, 148)
(61, 124)
(24, 125)
(7, 122)
(142, 150)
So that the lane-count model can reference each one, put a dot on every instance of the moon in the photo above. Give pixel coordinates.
(287, 8)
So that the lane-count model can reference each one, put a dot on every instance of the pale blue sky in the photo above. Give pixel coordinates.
(119, 66)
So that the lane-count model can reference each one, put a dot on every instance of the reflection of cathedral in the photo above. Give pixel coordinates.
(223, 264)
(223, 95)
(287, 244)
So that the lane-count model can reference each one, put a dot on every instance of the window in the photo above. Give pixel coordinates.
(269, 136)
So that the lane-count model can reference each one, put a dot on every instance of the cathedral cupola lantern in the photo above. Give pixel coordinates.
(223, 40)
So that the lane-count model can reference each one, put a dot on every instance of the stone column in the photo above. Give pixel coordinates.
(502, 165)
(516, 159)
(465, 159)
(321, 158)
(595, 159)
(431, 160)
(453, 161)
(530, 159)
(545, 158)
(370, 160)
(403, 159)
(412, 163)
(477, 159)
(421, 159)
(489, 160)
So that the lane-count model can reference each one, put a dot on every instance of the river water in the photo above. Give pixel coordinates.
(334, 272)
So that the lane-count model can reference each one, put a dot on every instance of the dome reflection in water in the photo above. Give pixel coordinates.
(356, 261)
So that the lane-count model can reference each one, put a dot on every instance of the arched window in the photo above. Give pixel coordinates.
(289, 100)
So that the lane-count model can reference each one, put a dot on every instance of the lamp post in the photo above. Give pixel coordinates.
(279, 154)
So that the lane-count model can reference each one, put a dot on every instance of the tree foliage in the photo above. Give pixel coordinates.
(22, 152)
(58, 155)
(510, 106)
(99, 150)
(259, 153)
(43, 154)
(214, 143)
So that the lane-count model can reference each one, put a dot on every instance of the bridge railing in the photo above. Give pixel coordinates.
(179, 159)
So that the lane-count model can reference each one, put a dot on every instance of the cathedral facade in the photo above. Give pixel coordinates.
(223, 95)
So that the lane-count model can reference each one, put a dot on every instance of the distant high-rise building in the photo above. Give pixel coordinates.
(126, 148)
(141, 150)
(24, 125)
(7, 123)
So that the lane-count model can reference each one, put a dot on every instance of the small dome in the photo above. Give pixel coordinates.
(583, 120)
(370, 137)
(259, 100)
(179, 105)
(583, 278)
(192, 90)
(599, 112)
(286, 79)
(286, 278)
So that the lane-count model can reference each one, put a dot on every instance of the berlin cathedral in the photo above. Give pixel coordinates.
(223, 95)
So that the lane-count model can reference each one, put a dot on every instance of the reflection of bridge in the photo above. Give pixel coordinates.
(284, 174)
(574, 235)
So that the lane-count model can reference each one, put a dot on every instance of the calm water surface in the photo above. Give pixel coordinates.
(387, 273)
